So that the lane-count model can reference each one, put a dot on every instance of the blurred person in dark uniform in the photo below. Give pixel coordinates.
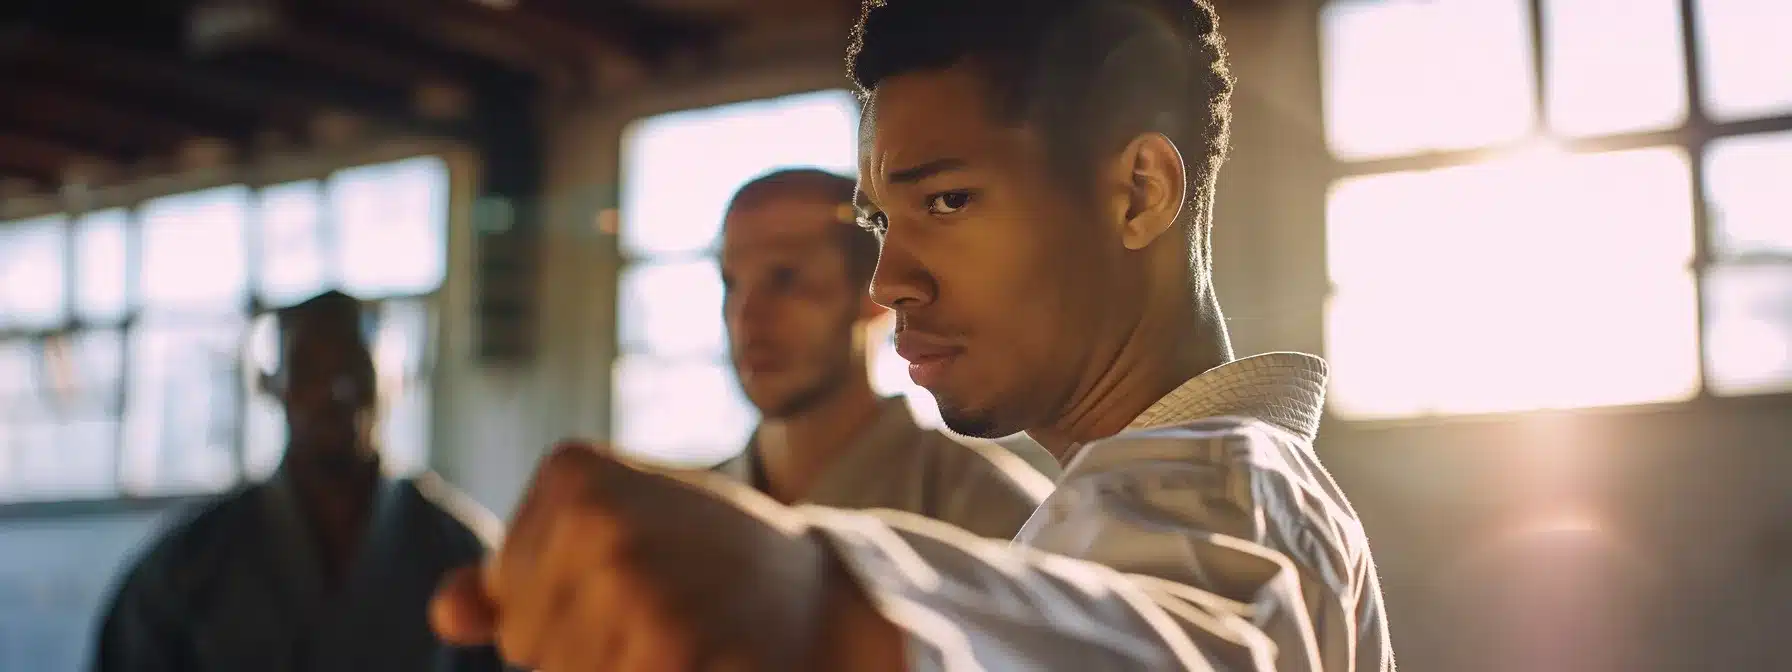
(326, 566)
(798, 270)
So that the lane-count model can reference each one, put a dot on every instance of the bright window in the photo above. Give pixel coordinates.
(1557, 262)
(1613, 66)
(1407, 76)
(1748, 327)
(676, 399)
(1742, 52)
(32, 288)
(130, 338)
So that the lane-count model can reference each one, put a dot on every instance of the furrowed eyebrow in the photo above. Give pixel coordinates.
(926, 170)
(910, 175)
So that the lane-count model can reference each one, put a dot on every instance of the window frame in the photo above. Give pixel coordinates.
(1694, 136)
(74, 204)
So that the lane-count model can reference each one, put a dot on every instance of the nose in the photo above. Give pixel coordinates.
(901, 281)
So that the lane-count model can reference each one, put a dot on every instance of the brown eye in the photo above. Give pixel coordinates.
(948, 203)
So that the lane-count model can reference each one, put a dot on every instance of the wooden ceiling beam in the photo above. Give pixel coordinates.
(106, 122)
(49, 161)
(647, 34)
(290, 95)
(427, 21)
(107, 64)
(150, 108)
(18, 185)
(351, 21)
(218, 29)
(77, 144)
(602, 42)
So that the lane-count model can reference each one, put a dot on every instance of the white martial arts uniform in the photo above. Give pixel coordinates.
(1205, 536)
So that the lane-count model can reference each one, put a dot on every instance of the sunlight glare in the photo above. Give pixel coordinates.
(1544, 280)
(1408, 76)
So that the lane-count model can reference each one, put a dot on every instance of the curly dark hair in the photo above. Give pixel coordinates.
(1090, 74)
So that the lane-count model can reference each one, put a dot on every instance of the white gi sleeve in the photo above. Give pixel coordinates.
(1217, 545)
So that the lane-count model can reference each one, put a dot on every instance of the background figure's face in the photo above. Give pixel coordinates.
(791, 310)
(329, 392)
(1013, 284)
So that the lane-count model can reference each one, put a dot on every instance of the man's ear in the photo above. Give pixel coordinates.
(1157, 188)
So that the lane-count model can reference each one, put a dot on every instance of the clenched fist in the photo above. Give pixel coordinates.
(608, 566)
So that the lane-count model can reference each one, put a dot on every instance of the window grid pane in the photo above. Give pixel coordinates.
(1746, 190)
(402, 357)
(58, 420)
(686, 412)
(1613, 66)
(293, 263)
(194, 254)
(1559, 211)
(1748, 329)
(672, 204)
(181, 409)
(1743, 50)
(1409, 76)
(673, 309)
(100, 263)
(1512, 260)
(1543, 342)
(190, 355)
(33, 263)
(389, 224)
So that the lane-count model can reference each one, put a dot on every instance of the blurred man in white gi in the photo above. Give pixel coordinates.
(796, 269)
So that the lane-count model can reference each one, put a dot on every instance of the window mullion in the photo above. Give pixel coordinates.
(1539, 71)
(133, 267)
(1700, 125)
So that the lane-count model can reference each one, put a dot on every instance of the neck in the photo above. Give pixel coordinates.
(795, 450)
(335, 493)
(1163, 350)
(330, 468)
